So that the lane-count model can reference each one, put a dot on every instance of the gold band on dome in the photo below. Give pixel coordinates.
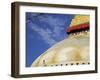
(79, 19)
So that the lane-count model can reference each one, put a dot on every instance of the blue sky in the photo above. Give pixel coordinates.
(43, 30)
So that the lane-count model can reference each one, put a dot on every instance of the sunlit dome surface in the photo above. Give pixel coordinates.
(73, 50)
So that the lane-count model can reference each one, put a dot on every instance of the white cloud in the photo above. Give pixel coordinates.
(48, 34)
(57, 31)
(45, 34)
(51, 20)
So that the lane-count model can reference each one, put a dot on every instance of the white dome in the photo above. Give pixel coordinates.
(70, 51)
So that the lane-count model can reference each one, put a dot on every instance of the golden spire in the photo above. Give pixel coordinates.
(79, 19)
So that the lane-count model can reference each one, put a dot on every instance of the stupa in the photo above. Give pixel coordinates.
(74, 50)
